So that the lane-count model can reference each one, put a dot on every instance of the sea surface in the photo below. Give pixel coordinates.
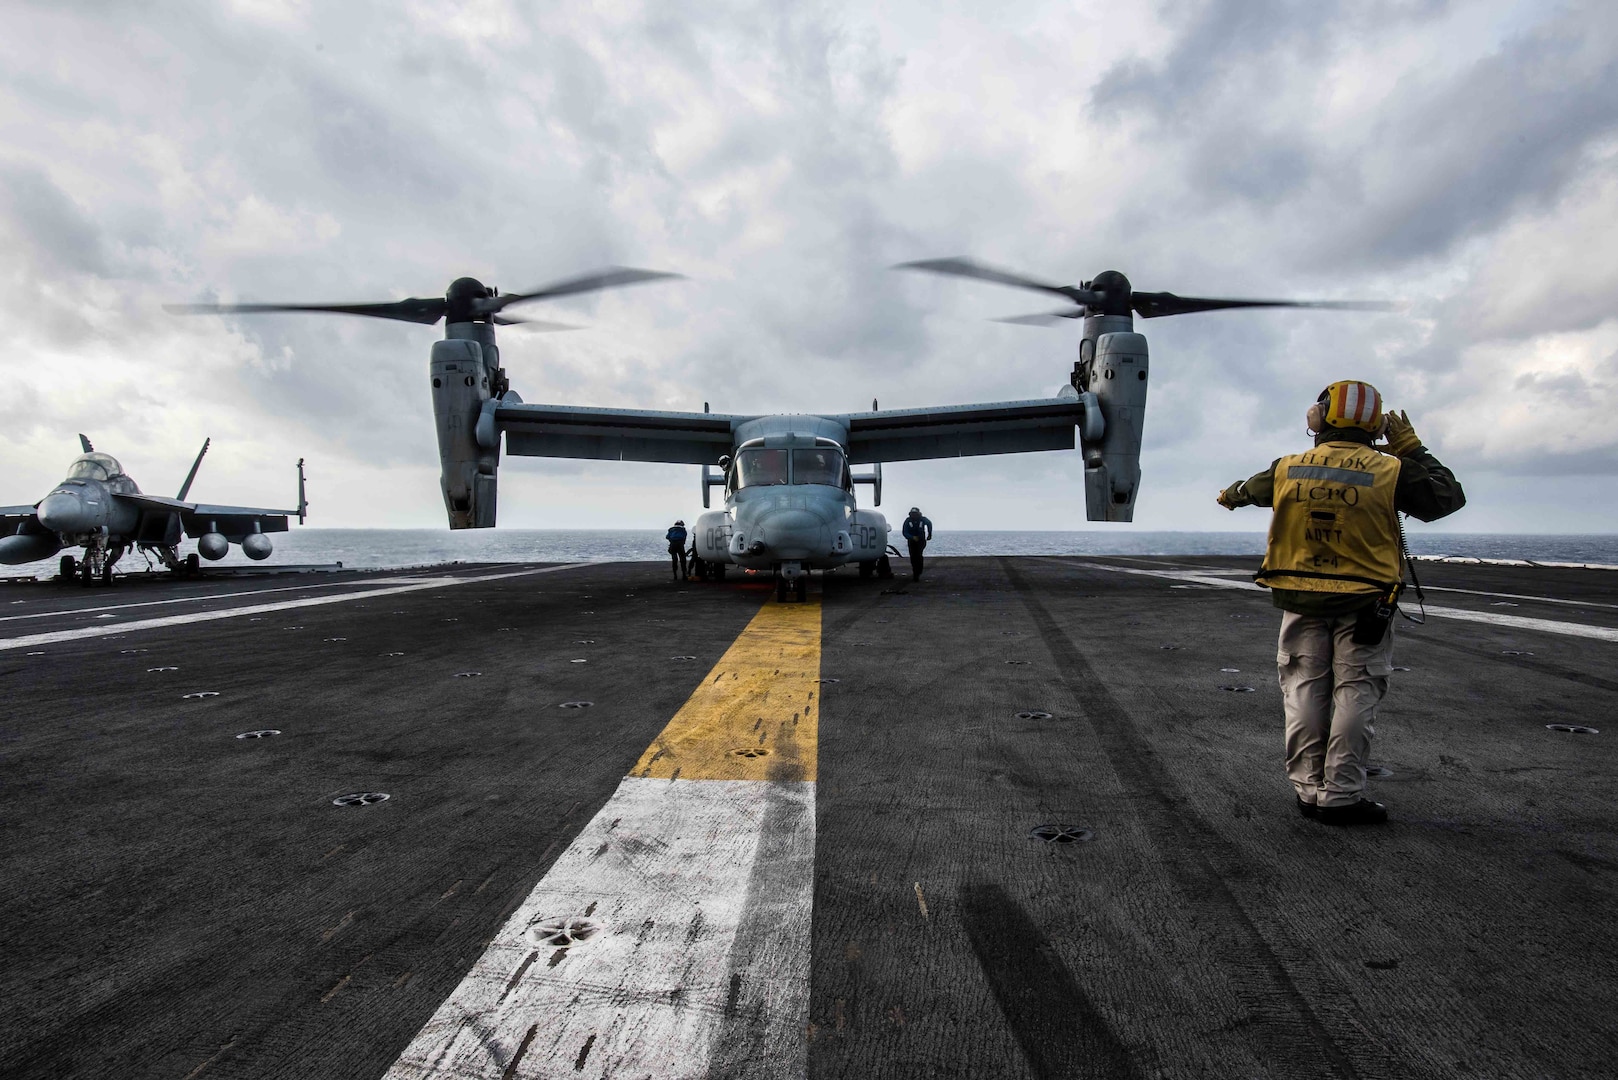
(388, 548)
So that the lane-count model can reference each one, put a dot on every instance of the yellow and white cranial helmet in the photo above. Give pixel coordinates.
(1351, 404)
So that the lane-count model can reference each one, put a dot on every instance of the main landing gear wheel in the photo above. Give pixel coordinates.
(867, 569)
(801, 587)
(69, 567)
(193, 563)
(781, 590)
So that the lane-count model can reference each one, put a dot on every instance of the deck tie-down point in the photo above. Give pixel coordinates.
(1061, 834)
(575, 704)
(750, 752)
(1573, 729)
(263, 733)
(1033, 714)
(360, 798)
(564, 933)
(1239, 689)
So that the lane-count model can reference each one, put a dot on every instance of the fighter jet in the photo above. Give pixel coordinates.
(101, 509)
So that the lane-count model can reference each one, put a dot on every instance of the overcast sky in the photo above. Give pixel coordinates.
(1457, 157)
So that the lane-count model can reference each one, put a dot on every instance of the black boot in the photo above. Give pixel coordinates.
(1364, 812)
(1307, 809)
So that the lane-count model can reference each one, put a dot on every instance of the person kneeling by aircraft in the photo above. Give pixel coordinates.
(1334, 568)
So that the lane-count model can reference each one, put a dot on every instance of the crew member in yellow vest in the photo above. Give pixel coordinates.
(1334, 566)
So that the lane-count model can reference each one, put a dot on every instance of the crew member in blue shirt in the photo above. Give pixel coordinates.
(917, 531)
(676, 538)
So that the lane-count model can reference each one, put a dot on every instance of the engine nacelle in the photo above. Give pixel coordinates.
(1112, 466)
(463, 372)
(257, 546)
(712, 536)
(868, 534)
(213, 546)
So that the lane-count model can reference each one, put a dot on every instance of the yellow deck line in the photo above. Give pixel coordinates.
(756, 714)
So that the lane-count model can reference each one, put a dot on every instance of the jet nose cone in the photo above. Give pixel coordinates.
(62, 512)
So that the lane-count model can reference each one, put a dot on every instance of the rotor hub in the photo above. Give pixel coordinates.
(1116, 294)
(461, 300)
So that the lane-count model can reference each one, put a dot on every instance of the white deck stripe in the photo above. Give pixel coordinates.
(1488, 618)
(55, 636)
(392, 579)
(705, 890)
(1523, 622)
(1522, 596)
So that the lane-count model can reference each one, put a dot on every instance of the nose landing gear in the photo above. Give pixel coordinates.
(791, 577)
(96, 566)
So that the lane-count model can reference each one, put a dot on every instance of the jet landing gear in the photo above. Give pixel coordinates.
(793, 578)
(96, 566)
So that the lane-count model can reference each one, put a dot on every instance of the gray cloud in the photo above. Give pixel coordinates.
(1513, 129)
(41, 219)
(783, 156)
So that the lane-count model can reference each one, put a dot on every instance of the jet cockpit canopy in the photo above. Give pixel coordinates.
(95, 466)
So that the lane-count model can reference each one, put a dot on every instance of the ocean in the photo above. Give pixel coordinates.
(389, 548)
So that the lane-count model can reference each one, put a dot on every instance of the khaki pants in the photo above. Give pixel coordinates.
(1330, 687)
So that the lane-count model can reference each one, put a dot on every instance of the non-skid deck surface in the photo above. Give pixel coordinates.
(181, 903)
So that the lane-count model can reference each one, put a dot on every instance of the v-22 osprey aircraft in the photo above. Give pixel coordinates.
(788, 482)
(101, 509)
(788, 485)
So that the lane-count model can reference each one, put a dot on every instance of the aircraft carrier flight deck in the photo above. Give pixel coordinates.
(1026, 817)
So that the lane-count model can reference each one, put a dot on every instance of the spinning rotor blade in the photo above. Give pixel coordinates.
(532, 324)
(1152, 305)
(969, 269)
(1110, 293)
(611, 278)
(425, 311)
(1048, 319)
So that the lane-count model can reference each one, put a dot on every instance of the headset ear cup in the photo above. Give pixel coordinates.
(1315, 418)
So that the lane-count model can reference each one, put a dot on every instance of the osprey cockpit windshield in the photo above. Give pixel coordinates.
(761, 468)
(823, 465)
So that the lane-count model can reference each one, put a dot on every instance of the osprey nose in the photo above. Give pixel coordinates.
(63, 512)
(795, 534)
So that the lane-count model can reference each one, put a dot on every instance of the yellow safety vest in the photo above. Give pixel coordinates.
(1335, 529)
